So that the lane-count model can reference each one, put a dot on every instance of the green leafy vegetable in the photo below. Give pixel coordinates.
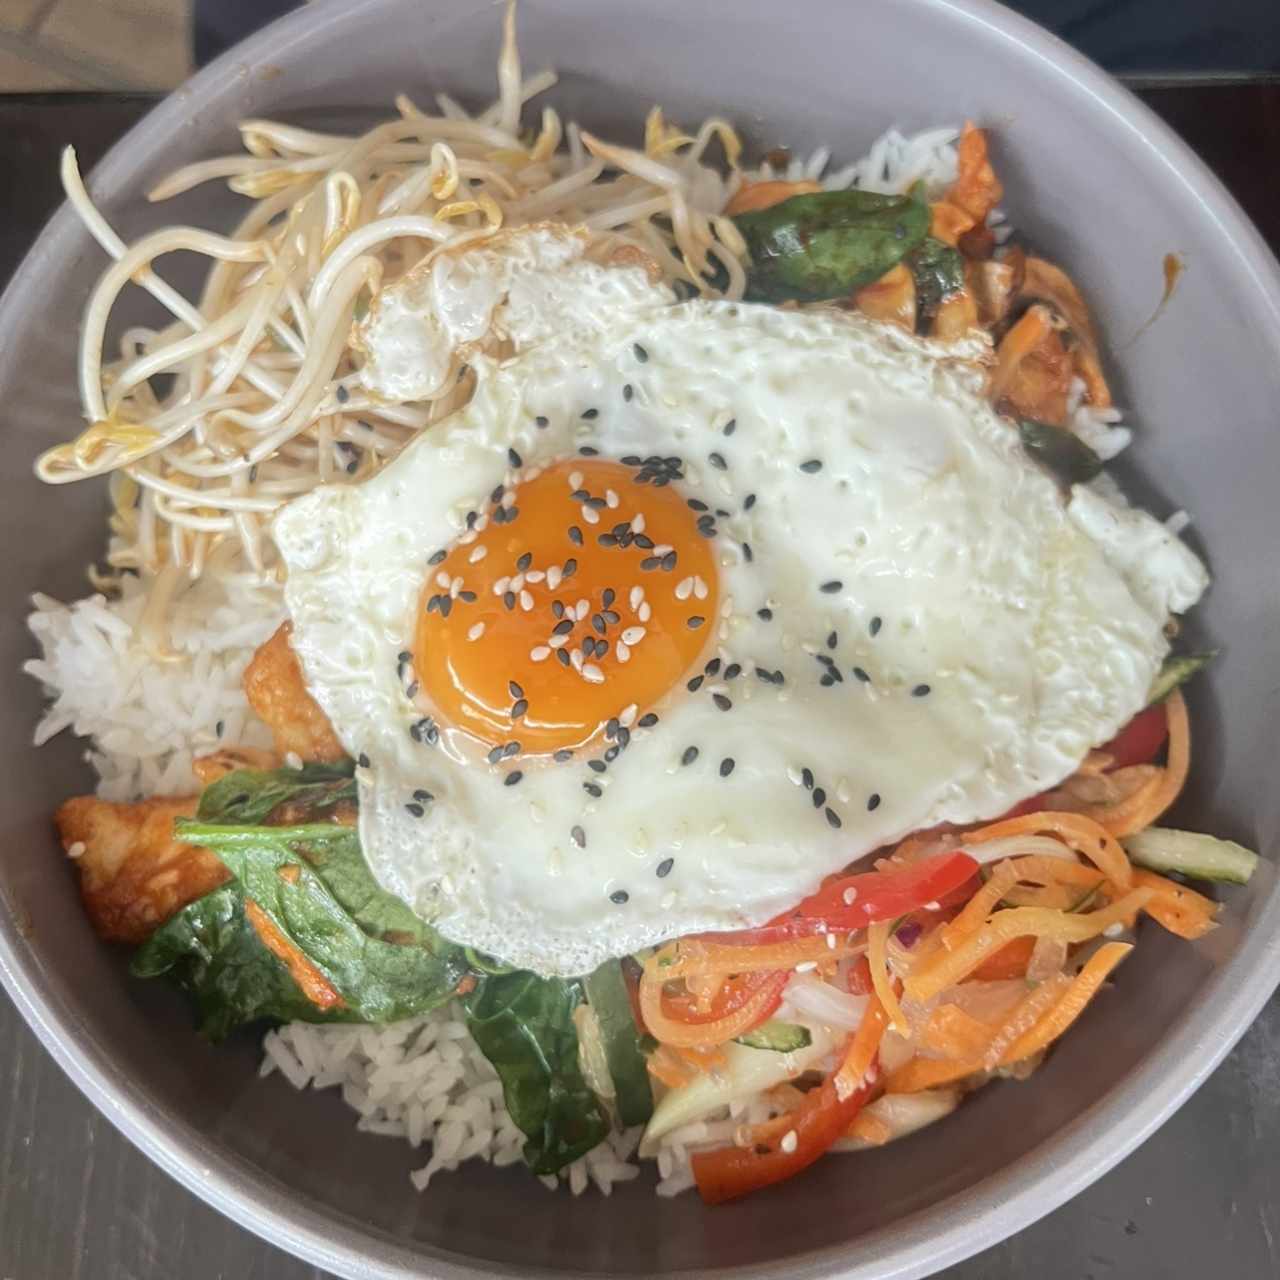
(1177, 669)
(829, 243)
(251, 795)
(213, 953)
(313, 883)
(524, 1026)
(608, 998)
(938, 272)
(1063, 453)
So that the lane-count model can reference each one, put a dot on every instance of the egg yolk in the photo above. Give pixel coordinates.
(580, 595)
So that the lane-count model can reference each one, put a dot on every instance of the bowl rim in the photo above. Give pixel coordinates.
(927, 1240)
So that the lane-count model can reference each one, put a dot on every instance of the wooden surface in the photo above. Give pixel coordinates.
(1199, 1199)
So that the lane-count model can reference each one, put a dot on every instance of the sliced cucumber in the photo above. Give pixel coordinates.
(1178, 668)
(1191, 854)
(781, 1037)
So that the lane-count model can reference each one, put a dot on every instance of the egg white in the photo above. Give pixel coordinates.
(1003, 632)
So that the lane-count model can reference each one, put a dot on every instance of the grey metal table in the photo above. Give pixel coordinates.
(1201, 1198)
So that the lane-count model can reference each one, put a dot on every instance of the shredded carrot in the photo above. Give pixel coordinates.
(976, 189)
(689, 1035)
(313, 983)
(1009, 962)
(953, 1033)
(694, 957)
(927, 981)
(925, 1073)
(1146, 805)
(666, 1065)
(1076, 830)
(1180, 910)
(1030, 331)
(882, 983)
(1089, 367)
(751, 197)
(864, 1044)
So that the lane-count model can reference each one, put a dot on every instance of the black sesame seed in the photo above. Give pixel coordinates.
(587, 451)
(748, 502)
(431, 733)
(717, 461)
(467, 597)
(557, 607)
(731, 426)
(342, 393)
(624, 738)
(593, 789)
(694, 622)
(541, 423)
(747, 553)
(416, 809)
(496, 495)
(722, 513)
(668, 562)
(423, 797)
(619, 897)
(578, 836)
(696, 504)
(514, 689)
(611, 727)
(438, 557)
(627, 392)
(362, 760)
(806, 776)
(873, 801)
(833, 639)
(876, 624)
(644, 542)
(611, 754)
(590, 414)
(575, 535)
(412, 691)
(631, 459)
(712, 667)
(829, 588)
(663, 869)
(404, 656)
(512, 778)
(562, 656)
(812, 467)
(570, 568)
(819, 797)
(433, 604)
(779, 678)
(650, 562)
(833, 819)
(524, 562)
(352, 467)
(733, 671)
(580, 495)
(608, 596)
(721, 701)
(597, 766)
(827, 681)
(472, 517)
(641, 354)
(514, 458)
(859, 674)
(648, 720)
(598, 622)
(726, 766)
(602, 647)
(707, 530)
(561, 755)
(689, 756)
(695, 684)
(765, 615)
(764, 674)
(920, 691)
(508, 599)
(519, 707)
(611, 616)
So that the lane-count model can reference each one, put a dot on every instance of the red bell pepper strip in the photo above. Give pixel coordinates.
(733, 994)
(1139, 742)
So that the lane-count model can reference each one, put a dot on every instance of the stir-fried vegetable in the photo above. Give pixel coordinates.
(1061, 452)
(938, 271)
(610, 1001)
(829, 243)
(1188, 853)
(1178, 668)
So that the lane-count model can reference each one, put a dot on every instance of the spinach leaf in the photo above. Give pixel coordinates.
(313, 883)
(213, 953)
(829, 243)
(607, 995)
(938, 272)
(524, 1026)
(251, 795)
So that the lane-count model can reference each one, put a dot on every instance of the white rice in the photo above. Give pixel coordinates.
(423, 1080)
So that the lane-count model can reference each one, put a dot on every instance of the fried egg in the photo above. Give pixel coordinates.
(682, 614)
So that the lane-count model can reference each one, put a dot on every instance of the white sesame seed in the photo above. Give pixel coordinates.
(644, 612)
(831, 941)
(719, 829)
(637, 522)
(500, 587)
(722, 632)
(293, 760)
(632, 635)
(475, 631)
(540, 653)
(526, 601)
(443, 580)
(637, 594)
(622, 652)
(725, 487)
(581, 609)
(466, 539)
(536, 811)
(575, 657)
(843, 794)
(575, 479)
(611, 499)
(933, 906)
(509, 498)
(554, 574)
(76, 850)
(477, 554)
(727, 561)
(727, 607)
(590, 515)
(661, 549)
(517, 582)
(627, 716)
(850, 896)
(684, 588)
(455, 586)
(534, 575)
(789, 1141)
(793, 775)
(592, 674)
(699, 588)
(558, 642)
(481, 524)
(806, 966)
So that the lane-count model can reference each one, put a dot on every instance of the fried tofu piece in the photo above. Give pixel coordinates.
(276, 690)
(134, 873)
